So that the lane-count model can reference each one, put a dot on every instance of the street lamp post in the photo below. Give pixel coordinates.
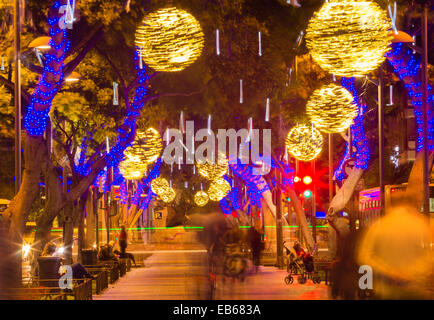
(381, 137)
(426, 173)
(17, 93)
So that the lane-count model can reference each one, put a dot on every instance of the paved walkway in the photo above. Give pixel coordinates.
(181, 275)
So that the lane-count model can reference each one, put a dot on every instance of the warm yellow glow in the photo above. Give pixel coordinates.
(218, 189)
(331, 108)
(145, 149)
(73, 77)
(307, 180)
(41, 43)
(169, 39)
(349, 37)
(132, 168)
(213, 171)
(168, 195)
(304, 142)
(150, 144)
(159, 186)
(201, 198)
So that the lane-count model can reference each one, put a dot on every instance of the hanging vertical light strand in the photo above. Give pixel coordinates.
(217, 41)
(115, 94)
(267, 111)
(260, 44)
(241, 90)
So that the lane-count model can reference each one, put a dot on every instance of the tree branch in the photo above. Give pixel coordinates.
(25, 96)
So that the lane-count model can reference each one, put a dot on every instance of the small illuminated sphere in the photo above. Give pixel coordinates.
(169, 39)
(296, 179)
(218, 189)
(304, 142)
(349, 37)
(201, 198)
(132, 168)
(159, 186)
(307, 193)
(168, 195)
(307, 180)
(331, 108)
(213, 171)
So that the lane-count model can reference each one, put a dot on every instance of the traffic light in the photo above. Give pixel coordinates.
(307, 194)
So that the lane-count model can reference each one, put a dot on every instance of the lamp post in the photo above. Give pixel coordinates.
(17, 93)
(426, 173)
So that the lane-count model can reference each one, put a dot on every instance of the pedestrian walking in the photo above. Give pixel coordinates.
(256, 245)
(123, 237)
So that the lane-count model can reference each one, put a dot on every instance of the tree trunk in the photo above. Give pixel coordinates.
(16, 215)
(414, 194)
(90, 222)
(301, 220)
(68, 230)
(80, 212)
(339, 226)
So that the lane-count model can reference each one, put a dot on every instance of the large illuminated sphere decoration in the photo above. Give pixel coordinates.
(349, 37)
(151, 144)
(331, 108)
(168, 195)
(218, 189)
(304, 142)
(147, 146)
(132, 168)
(169, 39)
(201, 198)
(159, 186)
(212, 171)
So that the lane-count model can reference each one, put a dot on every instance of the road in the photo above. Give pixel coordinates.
(182, 275)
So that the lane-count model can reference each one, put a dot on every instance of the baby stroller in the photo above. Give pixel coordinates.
(300, 263)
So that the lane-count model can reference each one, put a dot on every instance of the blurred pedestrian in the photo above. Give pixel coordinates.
(256, 245)
(123, 237)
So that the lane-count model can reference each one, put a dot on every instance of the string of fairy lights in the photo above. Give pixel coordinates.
(347, 38)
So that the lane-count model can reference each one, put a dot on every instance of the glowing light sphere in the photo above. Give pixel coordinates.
(169, 39)
(304, 142)
(331, 108)
(307, 180)
(201, 198)
(168, 195)
(159, 186)
(147, 146)
(150, 143)
(212, 171)
(349, 37)
(218, 189)
(132, 168)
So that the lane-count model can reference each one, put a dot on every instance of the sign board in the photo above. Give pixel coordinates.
(158, 215)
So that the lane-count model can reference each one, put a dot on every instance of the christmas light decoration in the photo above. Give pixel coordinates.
(360, 142)
(304, 143)
(168, 195)
(331, 108)
(150, 144)
(159, 186)
(407, 65)
(201, 198)
(349, 37)
(35, 120)
(169, 39)
(132, 168)
(218, 189)
(212, 171)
